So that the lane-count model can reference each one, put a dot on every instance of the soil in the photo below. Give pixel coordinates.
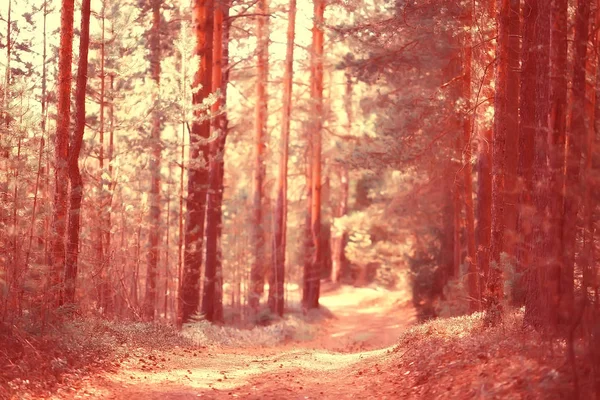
(364, 326)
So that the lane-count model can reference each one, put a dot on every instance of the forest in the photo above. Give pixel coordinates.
(275, 199)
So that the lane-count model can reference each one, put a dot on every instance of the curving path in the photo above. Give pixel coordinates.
(365, 324)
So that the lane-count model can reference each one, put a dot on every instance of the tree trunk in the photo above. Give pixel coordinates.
(538, 293)
(104, 286)
(338, 238)
(312, 275)
(277, 278)
(494, 281)
(61, 175)
(473, 274)
(557, 140)
(198, 166)
(7, 73)
(74, 150)
(181, 195)
(524, 186)
(213, 282)
(577, 135)
(42, 143)
(154, 228)
(511, 188)
(484, 167)
(257, 273)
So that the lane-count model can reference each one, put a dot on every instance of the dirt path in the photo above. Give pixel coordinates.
(366, 323)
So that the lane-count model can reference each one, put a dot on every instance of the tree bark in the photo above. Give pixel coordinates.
(577, 135)
(212, 306)
(198, 165)
(154, 231)
(277, 278)
(484, 167)
(180, 235)
(338, 239)
(537, 271)
(524, 186)
(103, 293)
(494, 283)
(473, 274)
(511, 188)
(312, 275)
(557, 141)
(257, 274)
(75, 179)
(61, 175)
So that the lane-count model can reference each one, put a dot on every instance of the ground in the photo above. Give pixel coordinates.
(364, 326)
(365, 343)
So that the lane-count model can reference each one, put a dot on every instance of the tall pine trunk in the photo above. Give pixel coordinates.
(338, 238)
(525, 185)
(99, 239)
(494, 282)
(511, 188)
(534, 216)
(541, 284)
(557, 139)
(154, 229)
(198, 166)
(577, 136)
(312, 274)
(484, 166)
(75, 179)
(61, 175)
(277, 278)
(473, 274)
(257, 273)
(212, 307)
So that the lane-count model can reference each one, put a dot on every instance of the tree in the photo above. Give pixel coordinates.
(212, 306)
(102, 269)
(500, 133)
(257, 274)
(75, 179)
(154, 233)
(61, 175)
(484, 162)
(312, 272)
(511, 186)
(557, 140)
(473, 274)
(339, 236)
(277, 278)
(198, 164)
(577, 135)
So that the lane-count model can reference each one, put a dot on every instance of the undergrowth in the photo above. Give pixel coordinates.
(36, 360)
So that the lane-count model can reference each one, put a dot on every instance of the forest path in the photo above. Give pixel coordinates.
(365, 323)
